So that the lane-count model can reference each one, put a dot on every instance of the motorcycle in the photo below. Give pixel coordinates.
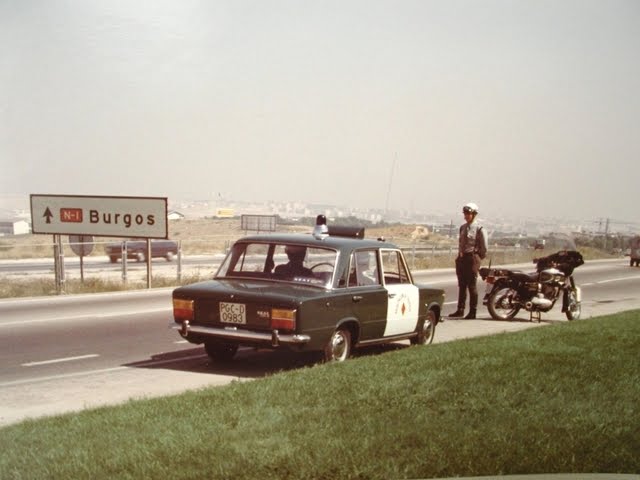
(508, 291)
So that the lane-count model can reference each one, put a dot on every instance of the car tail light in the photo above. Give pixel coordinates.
(283, 318)
(182, 309)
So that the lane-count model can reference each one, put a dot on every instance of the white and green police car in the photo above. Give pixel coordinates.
(329, 291)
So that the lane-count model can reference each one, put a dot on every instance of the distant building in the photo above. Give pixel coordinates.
(14, 227)
(173, 215)
(225, 213)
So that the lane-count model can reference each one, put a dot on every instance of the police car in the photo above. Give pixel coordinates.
(328, 291)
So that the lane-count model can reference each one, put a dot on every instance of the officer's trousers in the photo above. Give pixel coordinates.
(467, 268)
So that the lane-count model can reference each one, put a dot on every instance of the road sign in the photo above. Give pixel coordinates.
(131, 217)
(81, 245)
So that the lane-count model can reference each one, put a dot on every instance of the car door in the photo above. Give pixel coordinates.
(403, 296)
(369, 298)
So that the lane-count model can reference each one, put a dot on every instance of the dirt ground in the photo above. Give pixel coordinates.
(196, 234)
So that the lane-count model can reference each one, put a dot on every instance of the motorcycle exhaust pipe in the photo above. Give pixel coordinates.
(538, 302)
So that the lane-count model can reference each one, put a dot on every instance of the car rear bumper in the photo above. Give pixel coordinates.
(274, 338)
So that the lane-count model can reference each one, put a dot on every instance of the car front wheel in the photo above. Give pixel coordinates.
(338, 348)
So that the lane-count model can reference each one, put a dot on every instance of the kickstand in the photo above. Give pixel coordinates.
(535, 315)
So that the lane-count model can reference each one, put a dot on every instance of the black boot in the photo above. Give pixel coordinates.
(471, 315)
(457, 314)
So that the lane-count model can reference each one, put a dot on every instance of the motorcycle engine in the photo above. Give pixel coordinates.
(550, 291)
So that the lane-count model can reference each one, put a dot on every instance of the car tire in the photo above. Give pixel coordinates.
(338, 348)
(426, 330)
(222, 352)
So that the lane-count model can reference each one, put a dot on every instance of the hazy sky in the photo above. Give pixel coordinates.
(524, 107)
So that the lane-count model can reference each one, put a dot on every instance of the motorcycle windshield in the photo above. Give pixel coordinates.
(555, 242)
(562, 254)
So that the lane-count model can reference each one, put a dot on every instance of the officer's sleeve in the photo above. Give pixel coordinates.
(481, 243)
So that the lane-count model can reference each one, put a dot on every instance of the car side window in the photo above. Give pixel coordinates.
(363, 268)
(393, 267)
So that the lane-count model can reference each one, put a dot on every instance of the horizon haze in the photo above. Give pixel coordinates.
(527, 108)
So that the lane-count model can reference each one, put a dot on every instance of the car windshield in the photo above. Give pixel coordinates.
(285, 262)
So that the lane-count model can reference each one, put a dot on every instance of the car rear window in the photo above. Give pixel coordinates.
(284, 262)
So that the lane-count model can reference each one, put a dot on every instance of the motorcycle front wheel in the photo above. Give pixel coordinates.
(501, 306)
(574, 308)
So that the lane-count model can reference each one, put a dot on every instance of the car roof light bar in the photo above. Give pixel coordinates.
(321, 230)
(344, 231)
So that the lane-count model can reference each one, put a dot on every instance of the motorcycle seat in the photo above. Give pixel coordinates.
(524, 277)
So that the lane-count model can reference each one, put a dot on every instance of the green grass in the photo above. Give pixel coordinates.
(557, 399)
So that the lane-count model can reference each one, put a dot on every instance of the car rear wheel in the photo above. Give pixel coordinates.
(427, 330)
(338, 348)
(220, 351)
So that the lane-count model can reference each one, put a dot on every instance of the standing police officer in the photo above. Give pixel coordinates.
(472, 248)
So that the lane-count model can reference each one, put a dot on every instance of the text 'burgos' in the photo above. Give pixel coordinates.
(126, 219)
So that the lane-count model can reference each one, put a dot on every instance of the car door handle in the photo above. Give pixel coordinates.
(357, 298)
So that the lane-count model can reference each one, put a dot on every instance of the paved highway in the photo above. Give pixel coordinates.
(60, 354)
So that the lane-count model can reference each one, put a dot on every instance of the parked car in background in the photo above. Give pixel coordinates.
(328, 291)
(137, 250)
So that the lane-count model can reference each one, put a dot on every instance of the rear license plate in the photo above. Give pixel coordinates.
(233, 313)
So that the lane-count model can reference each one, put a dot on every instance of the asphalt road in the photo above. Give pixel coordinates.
(67, 353)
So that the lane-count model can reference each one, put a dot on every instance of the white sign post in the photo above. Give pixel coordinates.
(129, 217)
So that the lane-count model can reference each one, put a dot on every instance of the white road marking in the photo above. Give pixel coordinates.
(85, 316)
(94, 372)
(618, 279)
(58, 377)
(60, 360)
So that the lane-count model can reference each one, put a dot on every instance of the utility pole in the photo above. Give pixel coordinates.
(386, 205)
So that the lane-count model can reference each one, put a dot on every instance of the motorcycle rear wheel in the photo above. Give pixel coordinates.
(574, 308)
(500, 304)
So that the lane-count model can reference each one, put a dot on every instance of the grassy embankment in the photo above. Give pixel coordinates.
(563, 398)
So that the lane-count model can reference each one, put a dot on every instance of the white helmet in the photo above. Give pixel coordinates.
(470, 208)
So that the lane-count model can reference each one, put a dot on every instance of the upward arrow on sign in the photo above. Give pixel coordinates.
(48, 215)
